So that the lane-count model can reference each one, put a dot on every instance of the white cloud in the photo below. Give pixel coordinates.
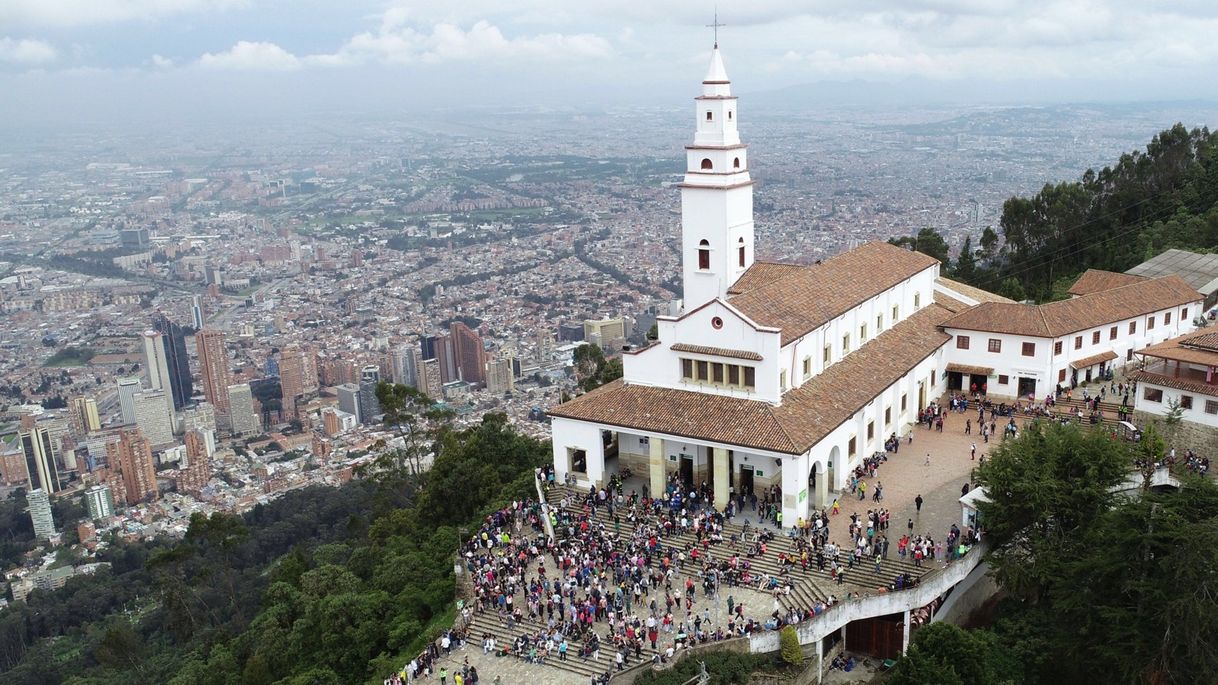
(251, 56)
(396, 42)
(26, 51)
(161, 62)
(67, 13)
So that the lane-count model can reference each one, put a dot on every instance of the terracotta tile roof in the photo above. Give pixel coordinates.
(1097, 280)
(1198, 347)
(1056, 319)
(970, 292)
(971, 370)
(761, 273)
(716, 351)
(951, 304)
(1093, 360)
(1198, 386)
(808, 297)
(807, 413)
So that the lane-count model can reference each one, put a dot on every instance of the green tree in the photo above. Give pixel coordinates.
(928, 242)
(788, 641)
(1043, 488)
(966, 264)
(417, 420)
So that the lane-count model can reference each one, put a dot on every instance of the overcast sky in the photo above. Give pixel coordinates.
(152, 58)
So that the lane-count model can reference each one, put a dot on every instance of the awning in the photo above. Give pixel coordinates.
(1093, 360)
(972, 370)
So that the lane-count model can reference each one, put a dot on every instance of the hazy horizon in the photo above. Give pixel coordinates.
(125, 61)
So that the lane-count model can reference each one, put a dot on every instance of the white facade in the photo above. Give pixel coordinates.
(152, 416)
(127, 387)
(716, 195)
(1158, 399)
(241, 407)
(1051, 359)
(40, 513)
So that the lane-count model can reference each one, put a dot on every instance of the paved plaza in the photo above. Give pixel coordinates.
(905, 475)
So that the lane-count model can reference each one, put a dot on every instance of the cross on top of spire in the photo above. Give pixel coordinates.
(716, 26)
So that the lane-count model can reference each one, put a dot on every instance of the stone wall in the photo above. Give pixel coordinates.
(1186, 435)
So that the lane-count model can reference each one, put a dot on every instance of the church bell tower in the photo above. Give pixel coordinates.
(716, 195)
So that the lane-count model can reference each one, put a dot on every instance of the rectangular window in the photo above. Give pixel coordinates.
(1095, 337)
(807, 367)
(1184, 314)
(1152, 394)
(733, 374)
(903, 402)
(871, 430)
(1057, 347)
(961, 342)
(1129, 355)
(1186, 401)
(782, 380)
(879, 323)
(851, 449)
(1061, 376)
(845, 344)
(895, 309)
(717, 373)
(1133, 327)
(887, 416)
(1029, 349)
(703, 370)
(1003, 380)
(750, 377)
(917, 300)
(1211, 406)
(828, 356)
(687, 369)
(862, 334)
(1150, 323)
(1167, 319)
(1078, 342)
(995, 345)
(1112, 333)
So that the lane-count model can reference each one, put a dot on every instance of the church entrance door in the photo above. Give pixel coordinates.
(746, 480)
(687, 470)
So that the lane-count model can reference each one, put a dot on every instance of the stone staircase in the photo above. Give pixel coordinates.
(809, 587)
(1072, 405)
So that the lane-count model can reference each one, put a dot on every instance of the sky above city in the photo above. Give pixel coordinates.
(154, 58)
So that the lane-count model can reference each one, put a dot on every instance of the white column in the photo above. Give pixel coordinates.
(721, 477)
(822, 486)
(655, 466)
(905, 634)
(820, 661)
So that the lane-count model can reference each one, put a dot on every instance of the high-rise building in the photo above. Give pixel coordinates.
(153, 418)
(440, 348)
(242, 419)
(99, 502)
(499, 376)
(406, 365)
(348, 399)
(41, 470)
(369, 406)
(196, 312)
(432, 380)
(156, 360)
(609, 334)
(197, 471)
(127, 387)
(174, 340)
(469, 354)
(40, 513)
(132, 456)
(297, 377)
(213, 370)
(202, 416)
(329, 421)
(85, 418)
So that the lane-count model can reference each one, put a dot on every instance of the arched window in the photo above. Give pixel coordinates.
(740, 251)
(709, 116)
(736, 163)
(704, 255)
(706, 164)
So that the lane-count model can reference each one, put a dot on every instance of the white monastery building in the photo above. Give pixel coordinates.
(790, 375)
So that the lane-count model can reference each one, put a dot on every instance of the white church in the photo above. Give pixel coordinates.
(790, 375)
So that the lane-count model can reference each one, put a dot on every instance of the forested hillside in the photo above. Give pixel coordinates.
(1165, 197)
(323, 585)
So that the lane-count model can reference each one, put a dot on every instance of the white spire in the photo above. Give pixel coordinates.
(716, 74)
